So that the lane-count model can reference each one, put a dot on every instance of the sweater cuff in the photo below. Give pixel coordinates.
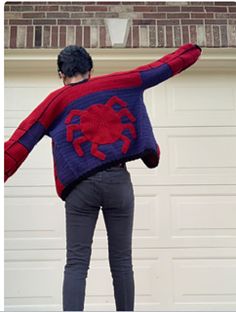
(197, 46)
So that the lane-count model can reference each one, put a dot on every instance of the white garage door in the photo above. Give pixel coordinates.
(184, 241)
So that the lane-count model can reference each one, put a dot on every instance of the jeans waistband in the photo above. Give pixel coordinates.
(121, 165)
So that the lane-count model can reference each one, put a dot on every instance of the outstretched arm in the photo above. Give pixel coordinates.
(28, 133)
(169, 65)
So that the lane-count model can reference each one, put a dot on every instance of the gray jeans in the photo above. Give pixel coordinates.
(112, 190)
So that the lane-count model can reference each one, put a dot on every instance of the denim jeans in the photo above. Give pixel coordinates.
(112, 190)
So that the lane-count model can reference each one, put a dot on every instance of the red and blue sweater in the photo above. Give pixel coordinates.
(96, 123)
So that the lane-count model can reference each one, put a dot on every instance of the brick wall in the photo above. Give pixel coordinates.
(153, 24)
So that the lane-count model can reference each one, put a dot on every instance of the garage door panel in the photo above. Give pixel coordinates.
(42, 230)
(148, 224)
(205, 280)
(24, 99)
(204, 155)
(193, 216)
(203, 216)
(27, 77)
(178, 279)
(186, 216)
(193, 99)
(203, 152)
(40, 269)
(34, 191)
(38, 177)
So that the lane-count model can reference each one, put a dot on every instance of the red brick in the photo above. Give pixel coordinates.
(29, 37)
(135, 36)
(109, 3)
(178, 15)
(203, 3)
(46, 8)
(69, 21)
(46, 36)
(177, 36)
(193, 33)
(167, 22)
(216, 9)
(191, 21)
(13, 15)
(102, 36)
(168, 9)
(132, 3)
(225, 3)
(223, 35)
(44, 21)
(144, 8)
(31, 2)
(225, 15)
(216, 36)
(216, 21)
(208, 32)
(78, 35)
(21, 8)
(128, 42)
(20, 22)
(13, 35)
(87, 36)
(152, 36)
(60, 2)
(154, 15)
(95, 8)
(85, 2)
(82, 15)
(192, 9)
(106, 14)
(54, 39)
(71, 8)
(185, 34)
(143, 22)
(158, 2)
(160, 36)
(232, 21)
(169, 36)
(38, 36)
(62, 38)
(33, 15)
(58, 15)
(202, 15)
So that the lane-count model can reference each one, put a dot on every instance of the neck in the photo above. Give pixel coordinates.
(73, 79)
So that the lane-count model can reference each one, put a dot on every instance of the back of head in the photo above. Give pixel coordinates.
(74, 60)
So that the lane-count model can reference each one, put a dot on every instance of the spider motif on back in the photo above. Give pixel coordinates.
(100, 124)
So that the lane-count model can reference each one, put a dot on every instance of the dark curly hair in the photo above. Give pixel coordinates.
(73, 60)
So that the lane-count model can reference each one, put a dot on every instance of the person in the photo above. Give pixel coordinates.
(82, 208)
(96, 124)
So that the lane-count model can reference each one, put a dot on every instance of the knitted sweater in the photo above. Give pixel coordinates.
(96, 123)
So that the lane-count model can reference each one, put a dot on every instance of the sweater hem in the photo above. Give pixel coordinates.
(107, 165)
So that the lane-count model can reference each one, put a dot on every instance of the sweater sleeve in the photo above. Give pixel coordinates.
(169, 65)
(27, 134)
